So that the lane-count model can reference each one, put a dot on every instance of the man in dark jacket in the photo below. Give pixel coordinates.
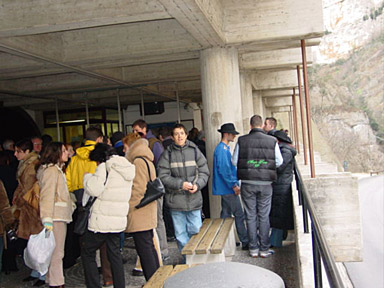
(270, 125)
(257, 155)
(184, 171)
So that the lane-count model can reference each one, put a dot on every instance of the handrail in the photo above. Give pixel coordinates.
(319, 243)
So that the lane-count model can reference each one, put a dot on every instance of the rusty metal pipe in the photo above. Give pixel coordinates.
(308, 108)
(295, 127)
(302, 117)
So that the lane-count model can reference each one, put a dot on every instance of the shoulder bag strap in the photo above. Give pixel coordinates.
(149, 171)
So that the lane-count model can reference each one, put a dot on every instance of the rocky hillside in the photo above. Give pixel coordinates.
(347, 90)
(348, 103)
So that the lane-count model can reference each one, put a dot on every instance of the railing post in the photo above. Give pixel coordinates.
(316, 260)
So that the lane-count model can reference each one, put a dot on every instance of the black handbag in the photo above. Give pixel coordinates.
(81, 224)
(155, 189)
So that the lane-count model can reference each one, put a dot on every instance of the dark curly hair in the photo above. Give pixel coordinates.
(102, 153)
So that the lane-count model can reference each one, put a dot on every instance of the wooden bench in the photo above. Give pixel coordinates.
(162, 274)
(214, 242)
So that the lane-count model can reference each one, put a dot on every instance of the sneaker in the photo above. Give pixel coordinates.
(254, 253)
(165, 258)
(136, 272)
(266, 254)
(245, 247)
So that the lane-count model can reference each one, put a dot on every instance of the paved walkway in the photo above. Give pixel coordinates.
(284, 263)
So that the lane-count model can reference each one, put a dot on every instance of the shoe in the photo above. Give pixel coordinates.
(266, 254)
(254, 253)
(29, 278)
(108, 284)
(165, 258)
(245, 247)
(60, 286)
(39, 283)
(237, 244)
(171, 239)
(136, 272)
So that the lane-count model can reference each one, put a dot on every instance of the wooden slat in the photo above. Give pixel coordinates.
(219, 242)
(179, 268)
(190, 247)
(206, 242)
(157, 279)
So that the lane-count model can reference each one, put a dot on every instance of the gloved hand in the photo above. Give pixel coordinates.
(48, 226)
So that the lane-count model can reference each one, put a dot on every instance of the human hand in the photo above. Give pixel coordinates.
(48, 226)
(187, 186)
(236, 189)
(193, 189)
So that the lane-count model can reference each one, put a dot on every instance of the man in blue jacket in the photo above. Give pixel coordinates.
(225, 182)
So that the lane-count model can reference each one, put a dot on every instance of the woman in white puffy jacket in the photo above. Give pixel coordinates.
(111, 184)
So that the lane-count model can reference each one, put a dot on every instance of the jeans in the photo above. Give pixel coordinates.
(257, 205)
(231, 205)
(277, 237)
(186, 224)
(90, 242)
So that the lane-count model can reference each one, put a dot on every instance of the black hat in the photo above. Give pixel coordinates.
(228, 128)
(282, 136)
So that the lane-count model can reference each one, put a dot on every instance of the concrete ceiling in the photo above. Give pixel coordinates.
(91, 50)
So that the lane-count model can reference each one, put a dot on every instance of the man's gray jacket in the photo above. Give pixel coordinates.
(183, 164)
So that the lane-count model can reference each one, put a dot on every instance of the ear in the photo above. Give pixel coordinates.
(99, 139)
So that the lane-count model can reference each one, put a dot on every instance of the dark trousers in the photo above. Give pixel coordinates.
(168, 221)
(147, 252)
(90, 242)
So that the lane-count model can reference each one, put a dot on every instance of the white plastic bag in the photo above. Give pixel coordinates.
(38, 253)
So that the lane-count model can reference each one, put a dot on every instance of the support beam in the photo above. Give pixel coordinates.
(302, 116)
(246, 101)
(308, 110)
(221, 100)
(265, 80)
(295, 123)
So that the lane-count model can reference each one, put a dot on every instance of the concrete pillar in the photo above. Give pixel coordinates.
(246, 100)
(258, 106)
(220, 86)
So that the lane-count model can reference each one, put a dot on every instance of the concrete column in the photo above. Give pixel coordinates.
(220, 85)
(246, 100)
(258, 106)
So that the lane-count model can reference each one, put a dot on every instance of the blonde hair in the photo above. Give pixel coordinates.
(131, 138)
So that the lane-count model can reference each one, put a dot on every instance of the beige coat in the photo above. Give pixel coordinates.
(6, 216)
(55, 202)
(145, 218)
(29, 218)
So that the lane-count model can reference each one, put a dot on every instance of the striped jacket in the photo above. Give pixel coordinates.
(183, 164)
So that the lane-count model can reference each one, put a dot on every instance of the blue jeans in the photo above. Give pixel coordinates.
(257, 205)
(231, 205)
(277, 237)
(186, 224)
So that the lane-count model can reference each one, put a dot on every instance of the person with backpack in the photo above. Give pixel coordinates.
(184, 171)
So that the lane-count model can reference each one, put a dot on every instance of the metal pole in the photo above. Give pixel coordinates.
(142, 105)
(119, 110)
(57, 120)
(316, 260)
(308, 108)
(302, 117)
(178, 103)
(295, 126)
(86, 109)
(290, 122)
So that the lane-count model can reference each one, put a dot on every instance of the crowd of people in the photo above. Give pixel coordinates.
(112, 174)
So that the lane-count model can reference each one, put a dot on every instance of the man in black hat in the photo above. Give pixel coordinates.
(225, 182)
(257, 156)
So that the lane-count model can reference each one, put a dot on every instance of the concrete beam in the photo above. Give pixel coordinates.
(277, 102)
(278, 59)
(264, 80)
(276, 93)
(25, 17)
(202, 19)
(248, 21)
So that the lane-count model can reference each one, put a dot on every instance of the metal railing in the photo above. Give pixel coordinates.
(320, 249)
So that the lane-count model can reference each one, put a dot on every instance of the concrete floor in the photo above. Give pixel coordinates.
(284, 263)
